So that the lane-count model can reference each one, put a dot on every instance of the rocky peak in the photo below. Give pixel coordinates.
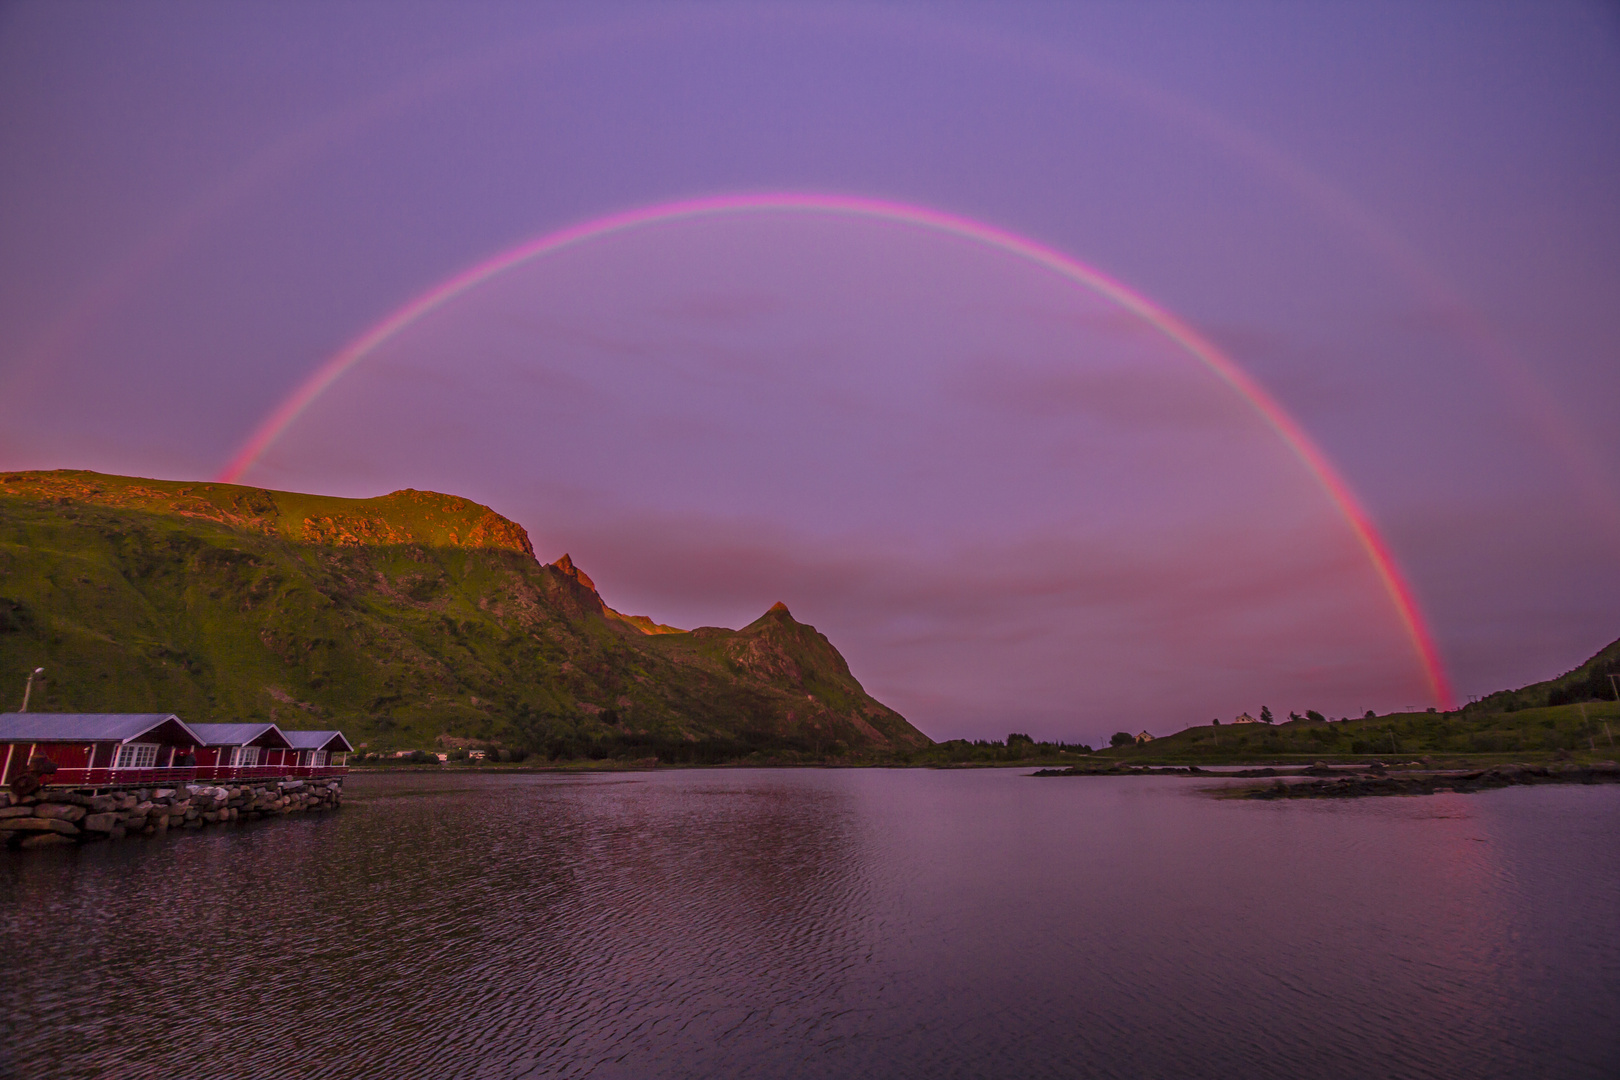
(566, 565)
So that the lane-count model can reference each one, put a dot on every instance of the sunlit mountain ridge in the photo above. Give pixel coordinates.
(410, 619)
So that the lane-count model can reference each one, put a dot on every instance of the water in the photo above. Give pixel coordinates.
(824, 923)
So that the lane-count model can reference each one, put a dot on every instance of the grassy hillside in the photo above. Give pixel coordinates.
(1589, 682)
(1577, 729)
(1575, 714)
(406, 620)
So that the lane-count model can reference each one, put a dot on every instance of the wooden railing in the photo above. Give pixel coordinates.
(189, 774)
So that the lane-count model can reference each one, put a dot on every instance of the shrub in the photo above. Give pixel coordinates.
(1120, 738)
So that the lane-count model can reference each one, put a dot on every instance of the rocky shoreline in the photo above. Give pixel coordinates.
(54, 818)
(1352, 782)
(1462, 783)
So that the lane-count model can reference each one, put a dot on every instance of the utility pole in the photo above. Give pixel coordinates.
(29, 688)
(1614, 681)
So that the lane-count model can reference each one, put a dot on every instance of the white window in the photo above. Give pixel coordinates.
(318, 758)
(244, 757)
(136, 756)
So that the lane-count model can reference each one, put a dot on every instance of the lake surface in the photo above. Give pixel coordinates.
(828, 923)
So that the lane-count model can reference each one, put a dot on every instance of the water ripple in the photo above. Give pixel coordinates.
(827, 923)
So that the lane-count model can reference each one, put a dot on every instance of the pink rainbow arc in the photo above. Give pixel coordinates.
(1303, 447)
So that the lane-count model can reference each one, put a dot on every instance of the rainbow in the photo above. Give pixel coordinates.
(1292, 435)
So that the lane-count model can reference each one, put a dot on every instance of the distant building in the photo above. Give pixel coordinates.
(1143, 737)
(1244, 718)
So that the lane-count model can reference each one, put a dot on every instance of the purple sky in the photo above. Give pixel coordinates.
(1012, 505)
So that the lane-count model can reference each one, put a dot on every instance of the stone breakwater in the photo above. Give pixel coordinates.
(65, 817)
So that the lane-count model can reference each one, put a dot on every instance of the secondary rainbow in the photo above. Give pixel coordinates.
(1172, 327)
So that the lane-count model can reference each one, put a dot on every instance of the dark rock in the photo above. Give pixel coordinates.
(39, 824)
(101, 823)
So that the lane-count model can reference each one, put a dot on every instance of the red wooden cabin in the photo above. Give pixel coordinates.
(242, 752)
(98, 749)
(320, 753)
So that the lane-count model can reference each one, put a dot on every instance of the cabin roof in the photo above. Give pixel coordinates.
(89, 727)
(241, 735)
(317, 740)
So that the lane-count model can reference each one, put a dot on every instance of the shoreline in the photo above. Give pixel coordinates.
(1324, 781)
(1433, 783)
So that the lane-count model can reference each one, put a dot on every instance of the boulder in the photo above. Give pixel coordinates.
(101, 823)
(16, 811)
(46, 840)
(64, 811)
(163, 793)
(40, 824)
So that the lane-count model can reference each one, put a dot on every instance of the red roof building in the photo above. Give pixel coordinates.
(95, 750)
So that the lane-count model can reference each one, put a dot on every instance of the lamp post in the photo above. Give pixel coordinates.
(29, 688)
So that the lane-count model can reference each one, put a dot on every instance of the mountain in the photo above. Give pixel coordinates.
(403, 619)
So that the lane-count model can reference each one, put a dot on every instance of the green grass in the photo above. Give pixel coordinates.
(1476, 734)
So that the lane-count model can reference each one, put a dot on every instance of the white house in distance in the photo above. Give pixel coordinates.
(1244, 718)
(1144, 737)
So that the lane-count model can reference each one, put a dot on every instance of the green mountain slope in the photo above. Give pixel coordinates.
(1576, 713)
(1589, 682)
(404, 619)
